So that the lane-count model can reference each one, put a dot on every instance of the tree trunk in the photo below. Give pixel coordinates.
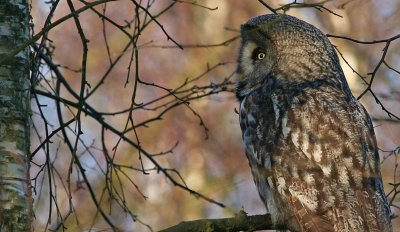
(15, 192)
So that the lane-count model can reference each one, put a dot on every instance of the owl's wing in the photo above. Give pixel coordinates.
(328, 157)
(314, 161)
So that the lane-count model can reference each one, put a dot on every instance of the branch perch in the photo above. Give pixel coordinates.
(241, 222)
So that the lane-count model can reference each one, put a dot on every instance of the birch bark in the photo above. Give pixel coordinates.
(15, 192)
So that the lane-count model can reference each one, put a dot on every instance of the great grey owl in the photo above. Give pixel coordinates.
(310, 144)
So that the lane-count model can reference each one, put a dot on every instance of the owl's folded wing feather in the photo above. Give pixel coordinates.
(327, 166)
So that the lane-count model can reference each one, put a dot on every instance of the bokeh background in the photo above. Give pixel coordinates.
(216, 166)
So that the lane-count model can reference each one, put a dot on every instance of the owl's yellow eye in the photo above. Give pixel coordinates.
(260, 55)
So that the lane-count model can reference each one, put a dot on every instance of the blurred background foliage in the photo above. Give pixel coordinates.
(211, 162)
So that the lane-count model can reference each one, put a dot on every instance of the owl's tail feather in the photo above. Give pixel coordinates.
(307, 220)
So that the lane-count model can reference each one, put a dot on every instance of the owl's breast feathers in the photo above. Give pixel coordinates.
(313, 155)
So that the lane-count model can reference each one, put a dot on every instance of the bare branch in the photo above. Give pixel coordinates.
(241, 222)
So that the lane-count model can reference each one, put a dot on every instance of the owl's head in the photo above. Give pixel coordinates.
(287, 50)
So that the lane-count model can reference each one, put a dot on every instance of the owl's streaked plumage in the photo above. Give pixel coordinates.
(310, 144)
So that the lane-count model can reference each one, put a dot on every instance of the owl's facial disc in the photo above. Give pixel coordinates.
(255, 61)
(246, 58)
